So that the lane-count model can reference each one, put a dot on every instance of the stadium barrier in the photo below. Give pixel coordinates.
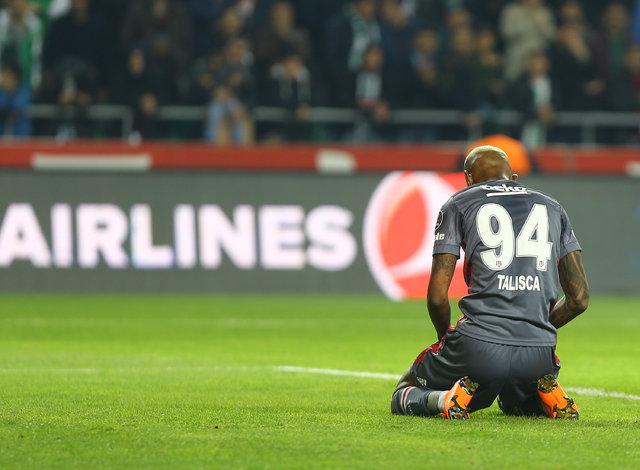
(226, 231)
(586, 123)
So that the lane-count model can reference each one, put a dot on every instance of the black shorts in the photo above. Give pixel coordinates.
(499, 369)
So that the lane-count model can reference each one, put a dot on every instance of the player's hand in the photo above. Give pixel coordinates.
(594, 87)
(472, 120)
(148, 104)
(303, 113)
(239, 113)
(381, 111)
(546, 114)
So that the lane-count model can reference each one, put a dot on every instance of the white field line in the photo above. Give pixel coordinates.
(592, 392)
(344, 373)
(598, 392)
(98, 370)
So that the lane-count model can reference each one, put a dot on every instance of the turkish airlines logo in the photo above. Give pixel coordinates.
(399, 232)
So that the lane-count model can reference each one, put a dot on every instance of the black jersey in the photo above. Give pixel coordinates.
(513, 238)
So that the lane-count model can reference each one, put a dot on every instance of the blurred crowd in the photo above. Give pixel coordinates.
(229, 56)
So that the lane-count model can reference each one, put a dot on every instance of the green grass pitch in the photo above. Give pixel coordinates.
(193, 382)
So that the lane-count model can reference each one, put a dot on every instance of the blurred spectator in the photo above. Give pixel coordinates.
(426, 87)
(233, 94)
(204, 14)
(459, 69)
(473, 75)
(534, 95)
(21, 40)
(372, 96)
(203, 78)
(527, 26)
(49, 9)
(489, 73)
(624, 92)
(635, 22)
(77, 35)
(262, 13)
(246, 9)
(112, 13)
(313, 16)
(162, 27)
(573, 70)
(15, 96)
(279, 38)
(289, 87)
(228, 28)
(571, 11)
(236, 71)
(486, 13)
(397, 33)
(428, 13)
(144, 91)
(348, 36)
(72, 87)
(227, 119)
(456, 19)
(610, 44)
(594, 9)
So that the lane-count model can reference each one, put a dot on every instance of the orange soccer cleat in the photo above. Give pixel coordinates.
(555, 401)
(456, 400)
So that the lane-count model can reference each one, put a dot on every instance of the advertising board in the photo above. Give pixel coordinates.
(270, 232)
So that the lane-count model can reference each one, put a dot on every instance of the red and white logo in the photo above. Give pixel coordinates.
(398, 231)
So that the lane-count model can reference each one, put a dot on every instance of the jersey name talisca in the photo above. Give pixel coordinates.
(512, 237)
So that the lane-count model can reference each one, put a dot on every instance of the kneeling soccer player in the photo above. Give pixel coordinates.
(519, 249)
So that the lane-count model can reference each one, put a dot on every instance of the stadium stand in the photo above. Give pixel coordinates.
(349, 71)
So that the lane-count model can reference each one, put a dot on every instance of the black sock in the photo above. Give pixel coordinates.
(415, 401)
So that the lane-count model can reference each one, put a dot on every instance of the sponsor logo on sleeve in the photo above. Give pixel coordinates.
(439, 220)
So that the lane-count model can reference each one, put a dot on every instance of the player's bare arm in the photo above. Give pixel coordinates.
(444, 265)
(576, 290)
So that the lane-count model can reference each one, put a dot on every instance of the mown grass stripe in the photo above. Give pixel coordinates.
(593, 392)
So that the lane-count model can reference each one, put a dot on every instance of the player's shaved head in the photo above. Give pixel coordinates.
(487, 163)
